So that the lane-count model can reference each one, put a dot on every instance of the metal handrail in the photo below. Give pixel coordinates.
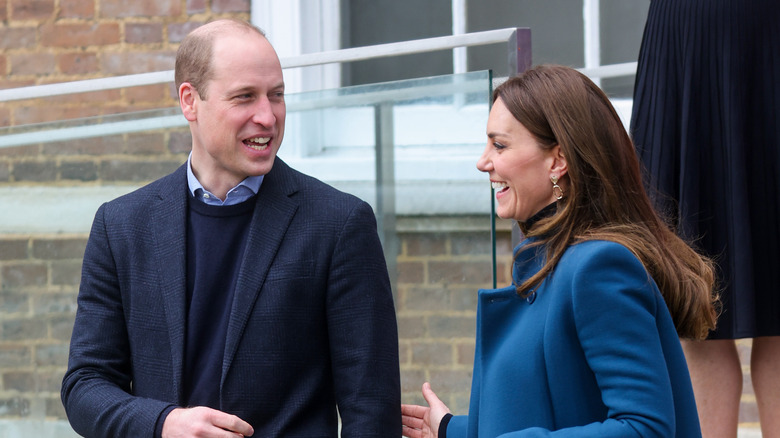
(172, 117)
(320, 58)
(329, 57)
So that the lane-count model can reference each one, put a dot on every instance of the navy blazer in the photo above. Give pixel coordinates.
(593, 353)
(312, 324)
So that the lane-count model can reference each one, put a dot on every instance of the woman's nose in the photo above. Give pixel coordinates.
(484, 163)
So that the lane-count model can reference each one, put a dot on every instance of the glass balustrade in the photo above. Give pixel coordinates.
(409, 148)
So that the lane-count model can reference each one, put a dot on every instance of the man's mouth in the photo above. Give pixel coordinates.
(257, 143)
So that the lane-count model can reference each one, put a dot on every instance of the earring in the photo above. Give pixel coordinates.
(557, 190)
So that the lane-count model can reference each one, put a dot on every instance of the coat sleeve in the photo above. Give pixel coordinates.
(96, 388)
(363, 332)
(615, 306)
(458, 427)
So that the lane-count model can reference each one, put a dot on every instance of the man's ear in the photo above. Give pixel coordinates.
(188, 101)
(559, 165)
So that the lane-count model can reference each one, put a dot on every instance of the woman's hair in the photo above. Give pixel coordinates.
(195, 54)
(605, 198)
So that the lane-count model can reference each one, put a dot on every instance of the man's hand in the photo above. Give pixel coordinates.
(421, 421)
(202, 422)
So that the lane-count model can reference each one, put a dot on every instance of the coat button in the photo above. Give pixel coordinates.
(531, 297)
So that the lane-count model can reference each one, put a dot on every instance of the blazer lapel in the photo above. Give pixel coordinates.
(272, 216)
(169, 221)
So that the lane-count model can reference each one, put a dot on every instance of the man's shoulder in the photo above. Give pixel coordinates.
(150, 192)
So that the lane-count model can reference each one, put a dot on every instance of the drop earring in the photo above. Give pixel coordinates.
(557, 190)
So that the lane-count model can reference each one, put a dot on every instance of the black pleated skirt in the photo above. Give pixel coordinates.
(706, 124)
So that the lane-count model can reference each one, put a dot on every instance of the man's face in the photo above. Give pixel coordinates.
(237, 130)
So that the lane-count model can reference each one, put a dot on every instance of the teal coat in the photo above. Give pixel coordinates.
(593, 353)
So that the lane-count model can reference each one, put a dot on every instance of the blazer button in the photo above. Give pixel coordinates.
(531, 297)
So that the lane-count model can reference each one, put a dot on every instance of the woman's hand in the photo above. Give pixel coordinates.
(421, 421)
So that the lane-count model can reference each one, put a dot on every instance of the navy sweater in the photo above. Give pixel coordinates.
(216, 239)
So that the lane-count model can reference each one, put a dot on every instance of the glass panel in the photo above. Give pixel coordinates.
(422, 181)
(433, 209)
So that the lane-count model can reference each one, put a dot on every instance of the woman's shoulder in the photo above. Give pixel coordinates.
(599, 274)
(590, 258)
(596, 250)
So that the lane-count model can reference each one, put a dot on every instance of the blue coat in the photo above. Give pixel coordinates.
(312, 323)
(593, 353)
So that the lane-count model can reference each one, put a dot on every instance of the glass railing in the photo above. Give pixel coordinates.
(409, 148)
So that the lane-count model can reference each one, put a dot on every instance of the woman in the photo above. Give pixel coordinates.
(707, 129)
(583, 342)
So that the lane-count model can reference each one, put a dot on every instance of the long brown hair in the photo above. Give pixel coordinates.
(605, 198)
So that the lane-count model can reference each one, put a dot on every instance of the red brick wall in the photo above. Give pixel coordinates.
(439, 274)
(48, 41)
(51, 41)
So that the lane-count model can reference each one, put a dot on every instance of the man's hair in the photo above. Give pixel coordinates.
(605, 198)
(195, 55)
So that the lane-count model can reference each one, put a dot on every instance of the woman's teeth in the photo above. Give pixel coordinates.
(498, 185)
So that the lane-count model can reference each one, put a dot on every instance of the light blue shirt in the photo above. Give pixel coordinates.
(238, 194)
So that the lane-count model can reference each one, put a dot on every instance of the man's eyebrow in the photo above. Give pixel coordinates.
(241, 90)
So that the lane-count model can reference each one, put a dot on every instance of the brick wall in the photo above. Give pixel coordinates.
(39, 278)
(49, 41)
(52, 41)
(438, 277)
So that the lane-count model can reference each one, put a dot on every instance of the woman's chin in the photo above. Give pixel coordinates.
(505, 215)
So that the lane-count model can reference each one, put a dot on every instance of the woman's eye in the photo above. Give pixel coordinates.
(498, 145)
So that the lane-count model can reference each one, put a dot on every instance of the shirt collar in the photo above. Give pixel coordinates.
(241, 192)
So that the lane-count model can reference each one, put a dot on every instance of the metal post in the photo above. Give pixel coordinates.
(519, 55)
(385, 188)
(519, 51)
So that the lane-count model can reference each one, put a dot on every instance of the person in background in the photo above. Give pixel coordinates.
(236, 296)
(584, 343)
(706, 124)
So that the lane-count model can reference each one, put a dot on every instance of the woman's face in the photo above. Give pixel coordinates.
(519, 169)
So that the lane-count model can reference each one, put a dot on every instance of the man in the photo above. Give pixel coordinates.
(236, 296)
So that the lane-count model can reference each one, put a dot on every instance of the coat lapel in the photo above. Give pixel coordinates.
(272, 216)
(169, 221)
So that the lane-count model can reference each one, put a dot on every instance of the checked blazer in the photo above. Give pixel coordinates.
(312, 325)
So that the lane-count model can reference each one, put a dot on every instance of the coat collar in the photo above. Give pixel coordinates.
(168, 226)
(273, 214)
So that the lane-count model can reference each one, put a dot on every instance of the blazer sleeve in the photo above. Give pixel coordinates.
(96, 388)
(363, 332)
(615, 305)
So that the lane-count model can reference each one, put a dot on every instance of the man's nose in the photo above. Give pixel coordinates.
(264, 114)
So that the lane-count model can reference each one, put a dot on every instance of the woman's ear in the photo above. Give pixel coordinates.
(188, 99)
(559, 165)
